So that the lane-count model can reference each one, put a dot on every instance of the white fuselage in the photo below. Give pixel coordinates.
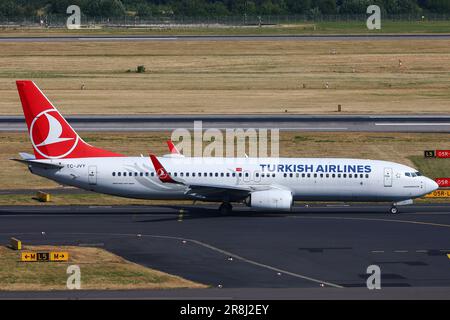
(325, 179)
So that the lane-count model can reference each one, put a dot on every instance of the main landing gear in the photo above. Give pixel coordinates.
(225, 208)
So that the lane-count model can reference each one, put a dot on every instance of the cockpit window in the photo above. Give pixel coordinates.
(413, 174)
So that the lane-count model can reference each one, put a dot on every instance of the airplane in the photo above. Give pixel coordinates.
(60, 154)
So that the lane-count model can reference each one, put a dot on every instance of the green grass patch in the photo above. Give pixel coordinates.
(432, 167)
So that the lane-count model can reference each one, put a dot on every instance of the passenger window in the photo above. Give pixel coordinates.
(315, 175)
(114, 174)
(333, 175)
(187, 174)
(152, 174)
(240, 174)
(291, 175)
(273, 175)
(328, 175)
(119, 173)
(193, 174)
(135, 174)
(146, 174)
(321, 175)
(339, 175)
(141, 174)
(303, 175)
(344, 175)
(233, 174)
(130, 174)
(216, 174)
(175, 174)
(221, 174)
(309, 175)
(367, 175)
(124, 174)
(246, 174)
(350, 175)
(297, 174)
(361, 176)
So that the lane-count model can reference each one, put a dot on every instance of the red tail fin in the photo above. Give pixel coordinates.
(172, 147)
(50, 134)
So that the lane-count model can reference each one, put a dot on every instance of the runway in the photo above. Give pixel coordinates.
(323, 37)
(288, 122)
(244, 254)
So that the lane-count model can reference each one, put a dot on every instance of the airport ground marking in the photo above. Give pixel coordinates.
(378, 219)
(208, 246)
(412, 124)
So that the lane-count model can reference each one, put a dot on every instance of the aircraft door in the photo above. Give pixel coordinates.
(92, 175)
(388, 177)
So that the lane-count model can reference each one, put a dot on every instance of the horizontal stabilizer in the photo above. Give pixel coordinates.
(36, 163)
(26, 156)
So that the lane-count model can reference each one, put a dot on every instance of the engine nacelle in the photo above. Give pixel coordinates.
(270, 200)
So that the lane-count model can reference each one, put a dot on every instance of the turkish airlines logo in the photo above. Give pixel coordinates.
(161, 173)
(51, 136)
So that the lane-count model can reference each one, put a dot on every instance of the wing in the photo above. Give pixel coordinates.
(218, 192)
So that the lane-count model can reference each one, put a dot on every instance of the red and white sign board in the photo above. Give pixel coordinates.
(442, 153)
(443, 182)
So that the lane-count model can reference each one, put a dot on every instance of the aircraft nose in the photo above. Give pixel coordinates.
(431, 185)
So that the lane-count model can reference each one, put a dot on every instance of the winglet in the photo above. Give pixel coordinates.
(172, 147)
(161, 172)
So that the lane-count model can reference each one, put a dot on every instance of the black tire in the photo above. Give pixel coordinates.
(225, 208)
(393, 210)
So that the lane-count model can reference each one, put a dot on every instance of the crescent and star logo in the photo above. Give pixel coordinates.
(161, 173)
(51, 136)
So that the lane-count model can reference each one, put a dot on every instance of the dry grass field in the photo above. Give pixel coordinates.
(232, 76)
(100, 270)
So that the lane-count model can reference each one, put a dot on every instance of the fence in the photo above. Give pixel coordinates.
(242, 20)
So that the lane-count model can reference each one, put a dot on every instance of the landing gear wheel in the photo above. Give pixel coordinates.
(393, 210)
(225, 208)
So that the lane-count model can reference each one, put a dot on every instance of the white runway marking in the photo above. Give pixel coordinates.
(413, 124)
(126, 39)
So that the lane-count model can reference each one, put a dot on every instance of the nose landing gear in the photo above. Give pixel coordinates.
(393, 210)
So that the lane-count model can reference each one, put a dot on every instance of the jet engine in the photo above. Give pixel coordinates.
(270, 199)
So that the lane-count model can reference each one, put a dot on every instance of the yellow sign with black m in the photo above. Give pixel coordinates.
(44, 256)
